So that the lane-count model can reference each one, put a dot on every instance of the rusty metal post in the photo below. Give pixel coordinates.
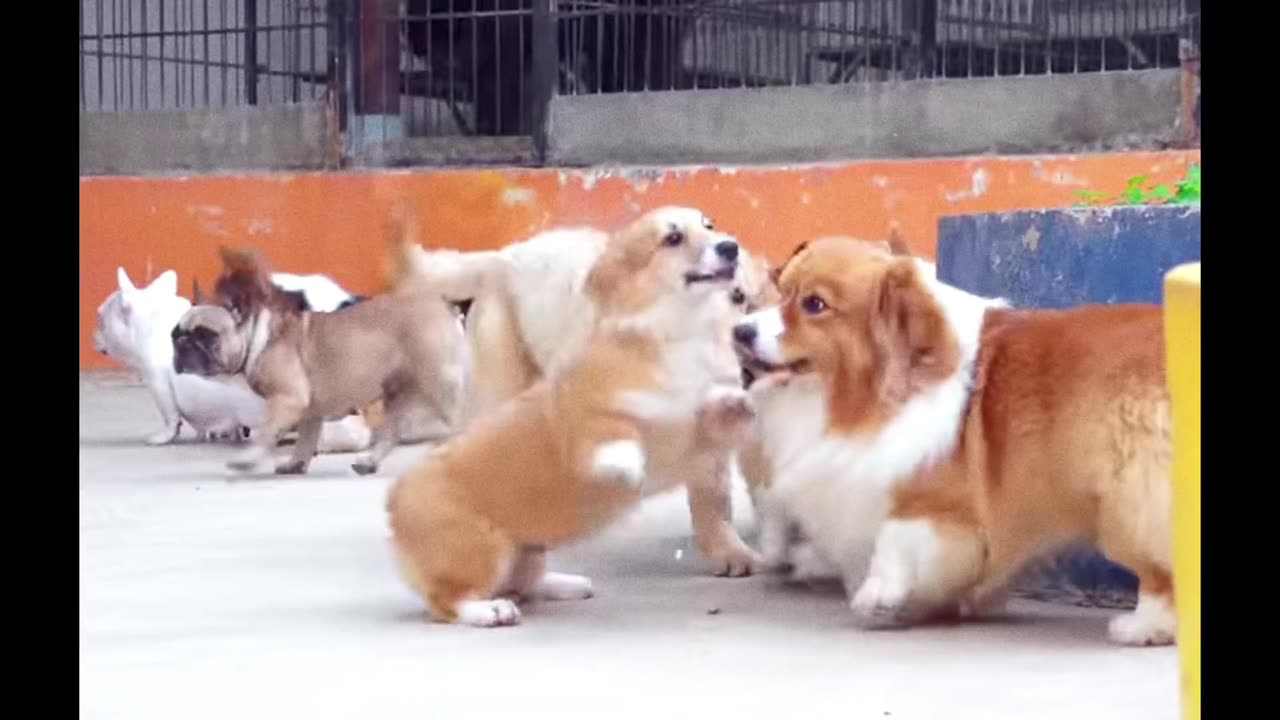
(377, 73)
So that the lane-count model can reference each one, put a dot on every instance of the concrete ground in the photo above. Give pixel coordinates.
(203, 598)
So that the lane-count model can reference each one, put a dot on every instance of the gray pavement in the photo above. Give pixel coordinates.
(208, 598)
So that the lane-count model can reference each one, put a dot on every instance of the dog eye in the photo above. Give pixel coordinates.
(706, 223)
(737, 296)
(673, 238)
(813, 305)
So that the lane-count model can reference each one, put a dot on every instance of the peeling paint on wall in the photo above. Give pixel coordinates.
(331, 222)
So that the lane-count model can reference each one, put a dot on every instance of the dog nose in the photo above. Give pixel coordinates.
(727, 249)
(744, 333)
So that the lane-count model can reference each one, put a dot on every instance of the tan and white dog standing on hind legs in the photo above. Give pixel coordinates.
(931, 443)
(651, 400)
(532, 309)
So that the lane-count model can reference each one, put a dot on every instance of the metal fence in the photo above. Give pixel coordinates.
(429, 68)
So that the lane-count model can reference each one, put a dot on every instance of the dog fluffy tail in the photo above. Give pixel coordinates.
(457, 276)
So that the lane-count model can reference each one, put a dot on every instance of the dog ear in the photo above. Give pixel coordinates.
(197, 297)
(897, 245)
(245, 280)
(166, 283)
(775, 273)
(605, 275)
(911, 330)
(239, 261)
(123, 282)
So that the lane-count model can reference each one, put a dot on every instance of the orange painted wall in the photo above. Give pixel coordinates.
(333, 223)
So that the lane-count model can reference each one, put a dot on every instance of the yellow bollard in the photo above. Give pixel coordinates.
(1182, 345)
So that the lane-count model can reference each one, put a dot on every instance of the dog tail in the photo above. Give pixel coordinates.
(897, 245)
(457, 276)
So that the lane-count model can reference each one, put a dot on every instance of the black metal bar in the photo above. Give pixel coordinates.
(543, 81)
(295, 87)
(101, 84)
(206, 52)
(128, 18)
(146, 77)
(191, 49)
(84, 96)
(251, 51)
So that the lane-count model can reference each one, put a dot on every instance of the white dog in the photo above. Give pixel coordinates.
(134, 326)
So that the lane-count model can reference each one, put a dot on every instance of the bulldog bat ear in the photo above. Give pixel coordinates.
(165, 284)
(123, 281)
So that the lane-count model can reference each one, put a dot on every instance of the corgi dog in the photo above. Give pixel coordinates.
(651, 400)
(531, 309)
(931, 443)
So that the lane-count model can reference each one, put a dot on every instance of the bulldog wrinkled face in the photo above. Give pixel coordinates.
(207, 343)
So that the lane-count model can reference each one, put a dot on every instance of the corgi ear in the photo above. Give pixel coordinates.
(775, 273)
(911, 330)
(897, 245)
(125, 284)
(165, 284)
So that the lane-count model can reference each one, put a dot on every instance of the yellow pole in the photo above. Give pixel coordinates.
(1182, 345)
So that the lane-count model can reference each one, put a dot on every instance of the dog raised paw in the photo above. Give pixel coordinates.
(488, 613)
(727, 413)
(620, 462)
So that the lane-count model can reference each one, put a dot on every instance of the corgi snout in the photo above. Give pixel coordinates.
(727, 250)
(757, 337)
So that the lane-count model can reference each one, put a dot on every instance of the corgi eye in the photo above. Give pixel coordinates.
(737, 296)
(813, 305)
(673, 238)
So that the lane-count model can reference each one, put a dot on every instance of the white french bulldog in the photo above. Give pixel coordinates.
(135, 327)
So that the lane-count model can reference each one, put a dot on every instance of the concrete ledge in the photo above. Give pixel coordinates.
(1045, 113)
(267, 137)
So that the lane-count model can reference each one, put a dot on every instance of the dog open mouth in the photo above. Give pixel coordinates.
(754, 368)
(722, 275)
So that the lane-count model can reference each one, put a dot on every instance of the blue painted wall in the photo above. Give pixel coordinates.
(1064, 258)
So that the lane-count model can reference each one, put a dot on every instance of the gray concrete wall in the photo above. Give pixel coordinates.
(270, 137)
(1058, 113)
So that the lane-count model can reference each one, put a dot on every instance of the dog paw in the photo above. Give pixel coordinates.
(879, 604)
(730, 403)
(1152, 622)
(292, 467)
(809, 565)
(163, 437)
(729, 411)
(735, 561)
(620, 462)
(247, 461)
(488, 613)
(562, 586)
(365, 466)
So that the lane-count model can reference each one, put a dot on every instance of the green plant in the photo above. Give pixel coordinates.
(1184, 192)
